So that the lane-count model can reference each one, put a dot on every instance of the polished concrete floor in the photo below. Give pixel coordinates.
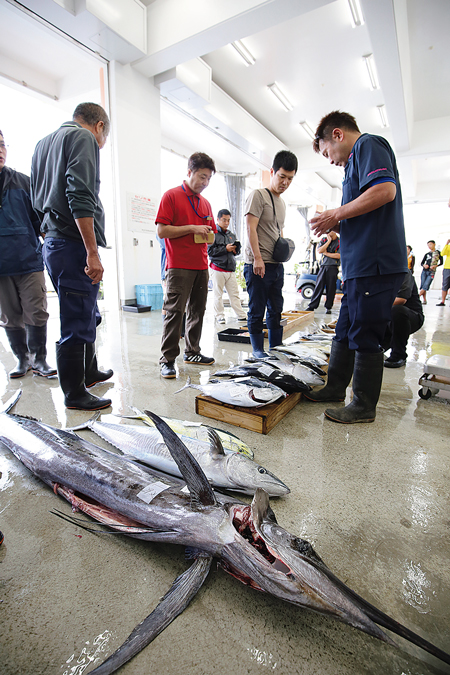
(373, 500)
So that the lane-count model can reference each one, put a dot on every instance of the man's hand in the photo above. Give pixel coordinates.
(94, 268)
(231, 248)
(259, 267)
(204, 230)
(322, 223)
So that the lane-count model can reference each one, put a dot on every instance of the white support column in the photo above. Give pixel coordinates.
(136, 136)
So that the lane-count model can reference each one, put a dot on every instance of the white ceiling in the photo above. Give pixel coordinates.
(308, 47)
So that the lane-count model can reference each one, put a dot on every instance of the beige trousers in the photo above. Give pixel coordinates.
(228, 281)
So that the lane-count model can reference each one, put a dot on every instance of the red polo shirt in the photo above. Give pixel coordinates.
(180, 206)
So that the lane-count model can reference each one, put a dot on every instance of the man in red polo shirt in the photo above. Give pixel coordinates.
(183, 215)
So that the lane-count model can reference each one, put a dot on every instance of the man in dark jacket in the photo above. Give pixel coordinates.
(23, 296)
(65, 183)
(407, 318)
(222, 255)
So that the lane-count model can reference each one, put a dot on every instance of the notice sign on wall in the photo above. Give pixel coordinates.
(141, 213)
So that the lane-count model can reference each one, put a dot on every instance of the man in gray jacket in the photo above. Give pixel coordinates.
(23, 296)
(65, 183)
(222, 255)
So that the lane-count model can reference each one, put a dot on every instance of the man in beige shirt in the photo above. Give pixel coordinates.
(265, 213)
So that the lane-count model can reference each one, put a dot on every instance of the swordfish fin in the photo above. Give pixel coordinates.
(9, 405)
(199, 487)
(184, 588)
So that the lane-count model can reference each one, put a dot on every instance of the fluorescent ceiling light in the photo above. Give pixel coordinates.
(372, 71)
(276, 91)
(357, 16)
(244, 53)
(383, 115)
(308, 130)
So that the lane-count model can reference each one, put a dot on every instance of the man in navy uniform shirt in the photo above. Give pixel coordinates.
(373, 258)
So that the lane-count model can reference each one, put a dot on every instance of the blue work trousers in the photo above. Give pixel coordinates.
(366, 309)
(264, 293)
(65, 261)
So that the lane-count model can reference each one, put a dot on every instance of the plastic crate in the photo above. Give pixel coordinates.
(150, 294)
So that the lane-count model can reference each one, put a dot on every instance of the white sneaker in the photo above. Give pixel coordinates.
(220, 320)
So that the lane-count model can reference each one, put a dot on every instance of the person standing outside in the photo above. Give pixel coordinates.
(411, 258)
(65, 183)
(430, 261)
(373, 256)
(23, 295)
(184, 221)
(222, 255)
(328, 272)
(265, 213)
(445, 273)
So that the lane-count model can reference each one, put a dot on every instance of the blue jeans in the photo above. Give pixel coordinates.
(426, 278)
(264, 293)
(65, 261)
(366, 309)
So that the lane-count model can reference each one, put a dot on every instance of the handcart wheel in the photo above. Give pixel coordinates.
(425, 394)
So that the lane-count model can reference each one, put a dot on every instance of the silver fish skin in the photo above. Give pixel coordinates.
(230, 442)
(298, 370)
(266, 373)
(246, 538)
(230, 471)
(317, 357)
(244, 391)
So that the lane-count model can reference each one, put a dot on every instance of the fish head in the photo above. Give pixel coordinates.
(268, 558)
(247, 476)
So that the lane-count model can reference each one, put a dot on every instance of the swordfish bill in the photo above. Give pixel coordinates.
(246, 539)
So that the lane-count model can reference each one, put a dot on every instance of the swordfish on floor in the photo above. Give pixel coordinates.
(246, 539)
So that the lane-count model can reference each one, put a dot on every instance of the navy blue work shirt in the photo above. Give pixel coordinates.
(373, 243)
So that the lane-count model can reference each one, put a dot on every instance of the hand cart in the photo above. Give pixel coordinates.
(436, 377)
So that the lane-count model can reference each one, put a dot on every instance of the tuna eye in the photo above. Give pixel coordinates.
(261, 470)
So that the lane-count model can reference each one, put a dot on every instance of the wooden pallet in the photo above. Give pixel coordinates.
(295, 320)
(262, 420)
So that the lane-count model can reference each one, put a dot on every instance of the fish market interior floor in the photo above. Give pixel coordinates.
(373, 499)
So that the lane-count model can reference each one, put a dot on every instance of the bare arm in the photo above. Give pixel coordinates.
(336, 256)
(177, 231)
(258, 265)
(399, 301)
(94, 268)
(373, 198)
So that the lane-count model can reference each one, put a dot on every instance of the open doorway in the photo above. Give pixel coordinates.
(45, 76)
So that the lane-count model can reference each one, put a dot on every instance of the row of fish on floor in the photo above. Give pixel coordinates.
(226, 460)
(294, 366)
(127, 497)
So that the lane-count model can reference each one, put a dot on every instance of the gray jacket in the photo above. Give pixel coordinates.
(65, 182)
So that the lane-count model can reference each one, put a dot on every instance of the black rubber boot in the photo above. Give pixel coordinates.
(17, 339)
(92, 375)
(37, 347)
(367, 379)
(275, 337)
(257, 340)
(340, 370)
(70, 363)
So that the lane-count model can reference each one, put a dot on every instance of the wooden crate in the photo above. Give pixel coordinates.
(261, 420)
